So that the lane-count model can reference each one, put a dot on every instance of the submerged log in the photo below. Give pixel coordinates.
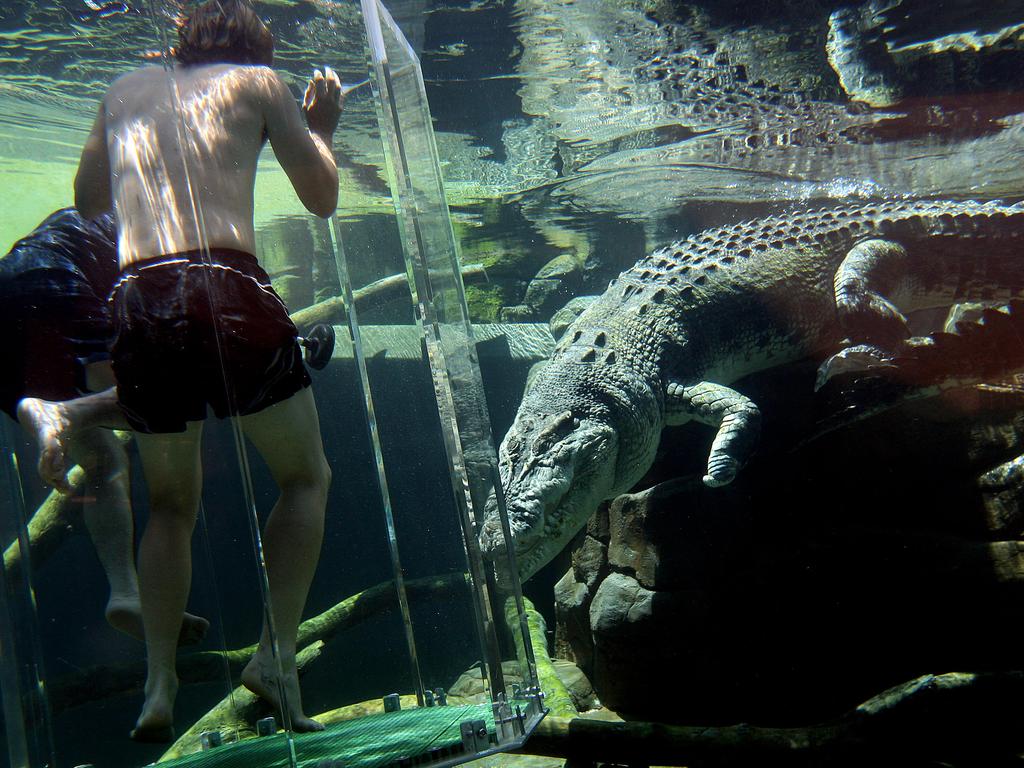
(931, 718)
(332, 310)
(556, 696)
(57, 519)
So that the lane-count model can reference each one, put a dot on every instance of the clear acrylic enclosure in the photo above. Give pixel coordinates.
(403, 605)
(667, 361)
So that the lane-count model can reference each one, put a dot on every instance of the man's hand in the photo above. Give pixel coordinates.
(322, 102)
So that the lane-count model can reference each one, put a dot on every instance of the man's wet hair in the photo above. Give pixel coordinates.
(228, 31)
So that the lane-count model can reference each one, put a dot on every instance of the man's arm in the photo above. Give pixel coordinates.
(306, 154)
(92, 182)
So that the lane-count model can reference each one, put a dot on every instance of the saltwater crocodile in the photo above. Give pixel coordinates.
(662, 345)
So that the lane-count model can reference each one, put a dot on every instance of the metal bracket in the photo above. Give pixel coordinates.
(475, 737)
(507, 723)
(210, 739)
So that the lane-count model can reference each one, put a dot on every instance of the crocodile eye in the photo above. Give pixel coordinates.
(561, 427)
(513, 446)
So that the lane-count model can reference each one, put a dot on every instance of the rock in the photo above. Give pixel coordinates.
(597, 525)
(580, 688)
(860, 57)
(619, 603)
(588, 561)
(1003, 490)
(572, 626)
(469, 688)
(679, 534)
(768, 600)
(553, 284)
(470, 684)
(965, 312)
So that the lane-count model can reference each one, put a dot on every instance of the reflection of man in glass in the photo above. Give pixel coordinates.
(197, 322)
(56, 327)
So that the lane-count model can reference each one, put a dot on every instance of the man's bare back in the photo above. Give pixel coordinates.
(171, 201)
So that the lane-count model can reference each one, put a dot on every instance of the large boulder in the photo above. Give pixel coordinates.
(825, 573)
(470, 684)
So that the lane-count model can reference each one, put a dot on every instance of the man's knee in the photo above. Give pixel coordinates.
(174, 500)
(320, 473)
(175, 494)
(313, 475)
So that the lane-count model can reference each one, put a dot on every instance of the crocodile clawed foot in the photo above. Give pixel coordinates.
(721, 471)
(856, 360)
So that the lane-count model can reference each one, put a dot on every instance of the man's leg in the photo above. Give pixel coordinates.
(53, 424)
(287, 435)
(173, 471)
(108, 517)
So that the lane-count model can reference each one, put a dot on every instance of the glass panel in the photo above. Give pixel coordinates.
(435, 274)
(25, 710)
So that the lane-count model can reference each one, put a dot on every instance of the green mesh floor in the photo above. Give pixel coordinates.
(376, 740)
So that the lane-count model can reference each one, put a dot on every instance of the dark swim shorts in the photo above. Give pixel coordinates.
(51, 321)
(54, 284)
(193, 331)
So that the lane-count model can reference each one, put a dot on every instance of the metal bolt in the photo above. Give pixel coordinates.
(210, 739)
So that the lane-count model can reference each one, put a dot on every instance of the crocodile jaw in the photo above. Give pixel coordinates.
(555, 470)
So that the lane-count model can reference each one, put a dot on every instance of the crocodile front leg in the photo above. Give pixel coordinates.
(872, 274)
(870, 278)
(735, 416)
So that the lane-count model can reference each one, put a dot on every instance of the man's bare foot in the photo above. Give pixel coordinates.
(260, 677)
(125, 615)
(156, 723)
(151, 734)
(48, 424)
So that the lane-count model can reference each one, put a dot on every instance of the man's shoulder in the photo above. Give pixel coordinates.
(257, 74)
(227, 69)
(136, 77)
(240, 72)
(147, 72)
(252, 79)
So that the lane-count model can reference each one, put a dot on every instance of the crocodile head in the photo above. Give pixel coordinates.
(555, 470)
(560, 459)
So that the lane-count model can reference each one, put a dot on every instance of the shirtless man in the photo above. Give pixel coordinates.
(54, 284)
(197, 323)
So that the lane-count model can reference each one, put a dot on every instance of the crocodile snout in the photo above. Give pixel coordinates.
(492, 537)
